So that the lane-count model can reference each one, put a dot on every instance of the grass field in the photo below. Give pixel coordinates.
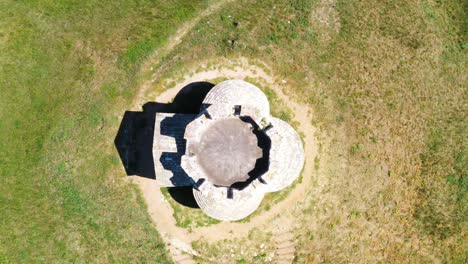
(68, 70)
(386, 81)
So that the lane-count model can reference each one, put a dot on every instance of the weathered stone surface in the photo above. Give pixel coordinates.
(214, 201)
(168, 147)
(226, 150)
(252, 100)
(286, 156)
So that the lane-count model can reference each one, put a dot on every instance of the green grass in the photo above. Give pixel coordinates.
(187, 217)
(68, 70)
(386, 82)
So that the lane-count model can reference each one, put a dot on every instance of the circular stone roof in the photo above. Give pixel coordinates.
(238, 92)
(286, 156)
(214, 201)
(222, 149)
(226, 151)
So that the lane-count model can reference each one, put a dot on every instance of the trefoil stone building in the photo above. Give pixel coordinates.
(231, 153)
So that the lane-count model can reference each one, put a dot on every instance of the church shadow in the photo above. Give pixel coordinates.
(134, 139)
(183, 195)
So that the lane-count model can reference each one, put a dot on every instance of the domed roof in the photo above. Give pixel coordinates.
(222, 151)
(214, 201)
(286, 156)
(253, 101)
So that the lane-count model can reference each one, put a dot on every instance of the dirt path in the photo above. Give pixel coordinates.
(172, 43)
(179, 239)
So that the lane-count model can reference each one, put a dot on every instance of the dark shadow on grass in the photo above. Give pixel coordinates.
(134, 139)
(184, 196)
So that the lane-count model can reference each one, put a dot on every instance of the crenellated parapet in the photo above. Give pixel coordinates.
(232, 152)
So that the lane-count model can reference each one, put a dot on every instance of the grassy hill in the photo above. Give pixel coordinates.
(67, 70)
(386, 80)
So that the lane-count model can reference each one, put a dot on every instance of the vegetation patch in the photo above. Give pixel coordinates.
(187, 217)
(256, 248)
